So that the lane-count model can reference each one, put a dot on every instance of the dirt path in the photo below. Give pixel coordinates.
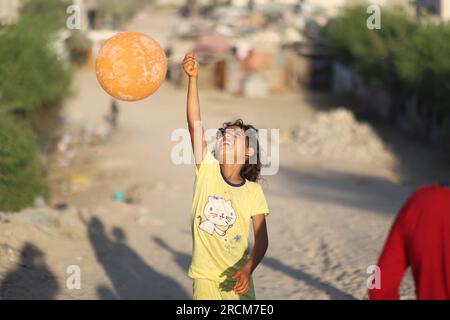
(328, 222)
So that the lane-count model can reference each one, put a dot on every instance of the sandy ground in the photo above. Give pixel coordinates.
(328, 218)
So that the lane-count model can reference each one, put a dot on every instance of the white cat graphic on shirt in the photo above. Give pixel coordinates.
(219, 213)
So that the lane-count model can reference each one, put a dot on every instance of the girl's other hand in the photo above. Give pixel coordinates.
(243, 280)
(190, 65)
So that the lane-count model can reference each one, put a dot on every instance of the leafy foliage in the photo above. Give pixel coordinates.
(423, 64)
(22, 175)
(371, 52)
(31, 74)
(402, 55)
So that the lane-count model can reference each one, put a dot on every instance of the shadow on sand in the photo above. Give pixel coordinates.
(130, 275)
(358, 191)
(333, 292)
(183, 260)
(418, 161)
(31, 279)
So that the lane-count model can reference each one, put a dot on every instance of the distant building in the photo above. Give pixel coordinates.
(9, 11)
(90, 13)
(326, 7)
(237, 3)
(332, 7)
(439, 7)
(444, 9)
(89, 10)
(244, 3)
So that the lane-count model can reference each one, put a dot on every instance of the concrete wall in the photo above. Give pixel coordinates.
(9, 11)
(444, 9)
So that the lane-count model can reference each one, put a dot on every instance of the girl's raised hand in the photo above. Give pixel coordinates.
(190, 65)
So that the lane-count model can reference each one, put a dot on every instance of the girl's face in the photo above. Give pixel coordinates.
(231, 145)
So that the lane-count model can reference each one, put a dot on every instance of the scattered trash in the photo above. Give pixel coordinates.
(61, 206)
(119, 196)
(39, 202)
(103, 132)
(129, 196)
(143, 216)
(9, 252)
(63, 144)
(133, 194)
(4, 219)
(67, 148)
(79, 182)
(64, 187)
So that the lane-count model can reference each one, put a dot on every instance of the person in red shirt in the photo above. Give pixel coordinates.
(419, 238)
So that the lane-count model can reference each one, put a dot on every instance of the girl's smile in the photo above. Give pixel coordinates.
(227, 143)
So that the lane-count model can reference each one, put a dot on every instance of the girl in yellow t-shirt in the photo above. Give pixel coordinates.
(226, 198)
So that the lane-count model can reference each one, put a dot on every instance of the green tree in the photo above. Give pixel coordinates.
(22, 174)
(423, 64)
(31, 75)
(370, 52)
(49, 15)
(33, 83)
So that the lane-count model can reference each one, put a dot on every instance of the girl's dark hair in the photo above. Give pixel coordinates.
(252, 167)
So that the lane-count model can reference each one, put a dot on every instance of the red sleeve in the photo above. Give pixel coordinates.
(393, 260)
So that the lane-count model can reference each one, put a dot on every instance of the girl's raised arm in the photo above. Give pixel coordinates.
(190, 67)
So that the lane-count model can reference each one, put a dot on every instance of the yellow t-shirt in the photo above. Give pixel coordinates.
(221, 213)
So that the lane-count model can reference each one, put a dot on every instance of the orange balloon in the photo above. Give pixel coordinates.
(131, 66)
